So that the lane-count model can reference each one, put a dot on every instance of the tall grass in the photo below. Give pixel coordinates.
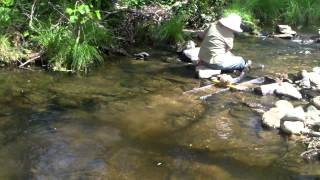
(8, 53)
(270, 12)
(63, 52)
(171, 31)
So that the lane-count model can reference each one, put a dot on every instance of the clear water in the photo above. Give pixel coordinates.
(129, 120)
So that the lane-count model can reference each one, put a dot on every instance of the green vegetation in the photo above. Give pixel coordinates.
(171, 30)
(8, 53)
(270, 12)
(70, 35)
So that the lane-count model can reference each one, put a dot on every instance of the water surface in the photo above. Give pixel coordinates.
(129, 120)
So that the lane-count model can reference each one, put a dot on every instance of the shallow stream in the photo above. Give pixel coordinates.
(129, 120)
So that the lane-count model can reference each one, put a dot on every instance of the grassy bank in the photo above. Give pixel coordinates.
(75, 35)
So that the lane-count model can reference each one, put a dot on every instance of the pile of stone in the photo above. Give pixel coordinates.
(300, 120)
(285, 31)
(285, 87)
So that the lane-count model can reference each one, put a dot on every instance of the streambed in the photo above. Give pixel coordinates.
(129, 120)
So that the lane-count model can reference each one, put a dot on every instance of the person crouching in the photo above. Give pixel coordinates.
(218, 41)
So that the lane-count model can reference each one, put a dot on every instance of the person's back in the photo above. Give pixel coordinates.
(217, 43)
(217, 40)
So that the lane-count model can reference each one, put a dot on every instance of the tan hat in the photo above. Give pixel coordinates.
(232, 21)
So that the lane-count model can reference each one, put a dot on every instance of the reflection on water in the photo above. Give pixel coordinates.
(129, 120)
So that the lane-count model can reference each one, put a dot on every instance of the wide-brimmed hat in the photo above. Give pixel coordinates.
(232, 21)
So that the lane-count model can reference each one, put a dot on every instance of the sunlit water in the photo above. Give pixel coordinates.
(129, 120)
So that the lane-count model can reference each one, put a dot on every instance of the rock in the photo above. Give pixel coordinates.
(311, 155)
(314, 79)
(312, 116)
(316, 70)
(287, 89)
(285, 29)
(187, 45)
(284, 106)
(225, 79)
(192, 54)
(205, 73)
(309, 93)
(296, 114)
(305, 81)
(142, 55)
(292, 127)
(272, 118)
(316, 102)
(267, 89)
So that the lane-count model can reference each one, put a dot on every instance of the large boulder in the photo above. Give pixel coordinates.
(284, 106)
(272, 118)
(296, 114)
(292, 127)
(287, 89)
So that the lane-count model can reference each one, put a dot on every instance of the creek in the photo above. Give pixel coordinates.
(129, 120)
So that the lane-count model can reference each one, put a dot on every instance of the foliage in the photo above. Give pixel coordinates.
(171, 30)
(269, 12)
(8, 53)
(63, 51)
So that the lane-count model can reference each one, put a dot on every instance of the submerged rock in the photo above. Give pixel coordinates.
(292, 127)
(287, 89)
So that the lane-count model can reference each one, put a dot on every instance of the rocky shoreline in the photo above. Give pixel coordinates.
(302, 120)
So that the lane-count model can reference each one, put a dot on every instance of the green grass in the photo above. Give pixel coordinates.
(171, 31)
(8, 53)
(63, 52)
(271, 12)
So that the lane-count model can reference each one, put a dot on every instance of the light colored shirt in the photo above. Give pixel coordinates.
(217, 42)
